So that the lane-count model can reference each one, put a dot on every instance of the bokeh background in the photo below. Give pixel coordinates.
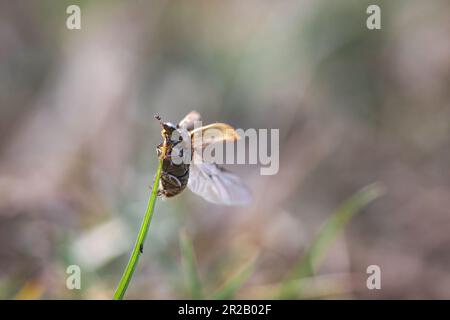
(354, 106)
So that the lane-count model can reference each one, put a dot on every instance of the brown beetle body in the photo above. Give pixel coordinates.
(174, 177)
(205, 179)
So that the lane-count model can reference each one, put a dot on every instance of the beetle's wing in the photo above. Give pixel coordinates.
(207, 179)
(188, 121)
(217, 185)
(213, 133)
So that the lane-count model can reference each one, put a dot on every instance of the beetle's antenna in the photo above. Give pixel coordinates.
(157, 117)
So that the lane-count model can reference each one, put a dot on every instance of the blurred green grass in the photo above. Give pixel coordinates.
(293, 285)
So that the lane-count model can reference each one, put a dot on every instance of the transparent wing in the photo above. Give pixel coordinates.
(189, 120)
(218, 185)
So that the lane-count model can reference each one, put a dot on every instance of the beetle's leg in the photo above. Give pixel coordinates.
(158, 150)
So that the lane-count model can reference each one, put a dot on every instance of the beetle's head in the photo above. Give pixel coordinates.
(167, 128)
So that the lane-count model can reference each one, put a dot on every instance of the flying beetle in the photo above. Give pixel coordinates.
(207, 179)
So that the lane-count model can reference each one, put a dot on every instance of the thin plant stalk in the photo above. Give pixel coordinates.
(328, 232)
(233, 284)
(138, 246)
(190, 265)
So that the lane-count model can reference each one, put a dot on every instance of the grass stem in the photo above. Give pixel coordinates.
(138, 246)
(312, 258)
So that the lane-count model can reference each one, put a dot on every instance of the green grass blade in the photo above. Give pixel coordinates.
(312, 258)
(229, 289)
(134, 258)
(189, 263)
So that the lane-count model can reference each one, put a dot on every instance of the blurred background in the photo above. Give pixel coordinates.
(354, 106)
